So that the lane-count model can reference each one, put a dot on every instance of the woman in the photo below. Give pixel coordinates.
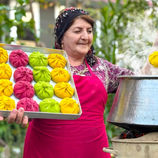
(93, 77)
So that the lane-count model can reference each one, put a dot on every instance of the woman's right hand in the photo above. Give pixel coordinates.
(17, 116)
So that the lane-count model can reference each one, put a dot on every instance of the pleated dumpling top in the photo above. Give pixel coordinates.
(3, 56)
(60, 75)
(37, 59)
(6, 87)
(6, 103)
(69, 105)
(41, 73)
(5, 71)
(63, 90)
(56, 60)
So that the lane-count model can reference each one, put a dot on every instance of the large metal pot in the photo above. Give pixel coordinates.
(135, 105)
(142, 147)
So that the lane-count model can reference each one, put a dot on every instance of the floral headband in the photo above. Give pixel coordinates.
(64, 20)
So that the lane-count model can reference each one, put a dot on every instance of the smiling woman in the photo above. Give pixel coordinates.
(94, 77)
(82, 35)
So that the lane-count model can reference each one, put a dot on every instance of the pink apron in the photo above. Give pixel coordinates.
(81, 138)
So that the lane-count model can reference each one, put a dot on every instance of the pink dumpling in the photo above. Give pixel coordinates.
(18, 58)
(23, 89)
(28, 104)
(23, 74)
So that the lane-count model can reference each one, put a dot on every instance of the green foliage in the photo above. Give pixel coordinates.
(114, 18)
(13, 135)
(6, 23)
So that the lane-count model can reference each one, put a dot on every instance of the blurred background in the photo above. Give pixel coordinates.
(124, 34)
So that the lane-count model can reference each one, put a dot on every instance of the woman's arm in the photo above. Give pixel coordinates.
(114, 72)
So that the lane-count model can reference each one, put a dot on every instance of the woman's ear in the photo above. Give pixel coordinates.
(62, 44)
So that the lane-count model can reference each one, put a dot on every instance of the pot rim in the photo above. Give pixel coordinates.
(132, 141)
(138, 77)
(153, 136)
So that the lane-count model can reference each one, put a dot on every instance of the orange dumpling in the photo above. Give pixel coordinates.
(60, 75)
(3, 56)
(6, 87)
(5, 71)
(6, 103)
(63, 90)
(69, 105)
(56, 60)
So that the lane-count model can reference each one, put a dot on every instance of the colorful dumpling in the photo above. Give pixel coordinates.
(43, 90)
(63, 90)
(23, 74)
(41, 73)
(69, 105)
(18, 58)
(6, 103)
(37, 59)
(23, 89)
(5, 71)
(28, 104)
(6, 87)
(153, 58)
(60, 75)
(56, 60)
(3, 56)
(49, 105)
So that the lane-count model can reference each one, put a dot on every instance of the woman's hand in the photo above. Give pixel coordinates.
(17, 116)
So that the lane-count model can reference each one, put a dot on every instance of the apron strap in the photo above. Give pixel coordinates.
(89, 68)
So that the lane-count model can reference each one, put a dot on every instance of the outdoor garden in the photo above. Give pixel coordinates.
(124, 35)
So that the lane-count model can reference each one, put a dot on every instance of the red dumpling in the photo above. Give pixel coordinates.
(18, 58)
(23, 74)
(28, 104)
(23, 89)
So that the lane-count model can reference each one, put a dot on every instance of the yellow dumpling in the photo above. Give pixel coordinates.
(60, 75)
(5, 71)
(153, 58)
(63, 90)
(6, 103)
(6, 87)
(3, 56)
(69, 105)
(56, 60)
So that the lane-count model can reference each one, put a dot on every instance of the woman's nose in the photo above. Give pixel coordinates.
(84, 35)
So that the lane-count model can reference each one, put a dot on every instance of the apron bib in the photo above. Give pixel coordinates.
(84, 137)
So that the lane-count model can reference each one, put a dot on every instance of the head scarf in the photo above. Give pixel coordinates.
(63, 22)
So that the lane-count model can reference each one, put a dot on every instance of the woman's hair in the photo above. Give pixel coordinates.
(65, 20)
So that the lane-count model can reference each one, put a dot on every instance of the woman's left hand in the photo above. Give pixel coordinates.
(17, 116)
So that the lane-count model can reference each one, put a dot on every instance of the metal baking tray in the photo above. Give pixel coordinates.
(45, 115)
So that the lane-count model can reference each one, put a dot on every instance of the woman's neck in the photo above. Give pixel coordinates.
(76, 61)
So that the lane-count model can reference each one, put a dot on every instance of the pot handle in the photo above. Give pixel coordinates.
(111, 151)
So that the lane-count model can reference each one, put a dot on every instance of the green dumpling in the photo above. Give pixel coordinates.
(41, 73)
(37, 59)
(49, 105)
(43, 90)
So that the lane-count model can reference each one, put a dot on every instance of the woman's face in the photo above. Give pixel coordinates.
(77, 40)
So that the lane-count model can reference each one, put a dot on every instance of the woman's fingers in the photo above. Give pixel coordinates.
(20, 115)
(17, 116)
(25, 121)
(12, 116)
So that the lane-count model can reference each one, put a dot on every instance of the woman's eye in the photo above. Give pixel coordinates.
(77, 31)
(89, 31)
